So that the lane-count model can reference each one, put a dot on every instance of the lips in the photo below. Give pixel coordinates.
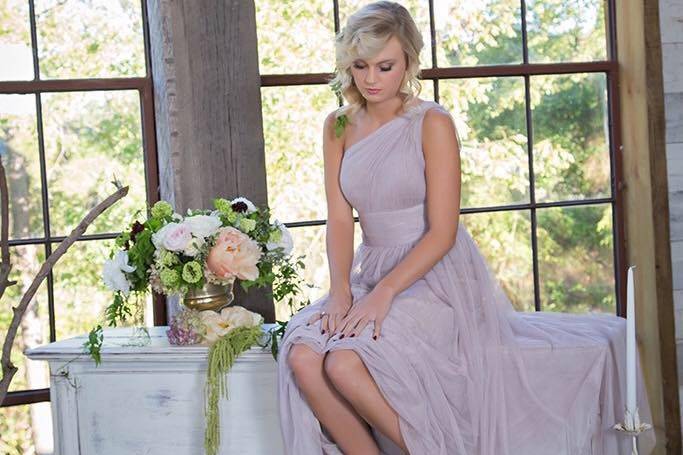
(373, 91)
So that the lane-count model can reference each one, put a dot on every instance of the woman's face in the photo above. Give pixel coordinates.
(380, 79)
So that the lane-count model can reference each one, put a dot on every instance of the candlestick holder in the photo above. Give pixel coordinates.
(632, 426)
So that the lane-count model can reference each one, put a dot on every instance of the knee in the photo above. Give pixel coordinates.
(303, 360)
(341, 365)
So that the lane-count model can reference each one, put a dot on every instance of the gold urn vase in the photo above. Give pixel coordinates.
(210, 297)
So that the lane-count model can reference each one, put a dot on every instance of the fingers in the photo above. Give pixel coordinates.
(350, 325)
(335, 320)
(324, 323)
(378, 329)
(359, 326)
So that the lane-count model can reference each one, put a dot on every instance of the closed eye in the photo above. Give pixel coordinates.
(360, 67)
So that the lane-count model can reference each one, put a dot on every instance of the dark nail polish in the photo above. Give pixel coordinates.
(341, 337)
(323, 332)
(353, 335)
(374, 336)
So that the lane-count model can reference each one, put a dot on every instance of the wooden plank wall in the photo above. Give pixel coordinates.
(208, 109)
(647, 224)
(671, 23)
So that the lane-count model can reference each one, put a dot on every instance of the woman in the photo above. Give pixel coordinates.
(416, 349)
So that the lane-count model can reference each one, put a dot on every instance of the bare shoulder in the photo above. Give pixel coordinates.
(438, 129)
(437, 118)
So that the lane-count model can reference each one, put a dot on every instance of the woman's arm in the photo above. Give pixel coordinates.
(340, 225)
(442, 173)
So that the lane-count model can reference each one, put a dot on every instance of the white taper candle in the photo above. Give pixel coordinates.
(630, 344)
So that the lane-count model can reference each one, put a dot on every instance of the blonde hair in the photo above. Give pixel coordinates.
(366, 33)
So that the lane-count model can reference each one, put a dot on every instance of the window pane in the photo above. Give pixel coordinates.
(566, 30)
(92, 138)
(34, 329)
(311, 241)
(26, 429)
(571, 137)
(427, 92)
(504, 239)
(19, 152)
(90, 38)
(15, 41)
(490, 117)
(282, 49)
(80, 294)
(478, 33)
(293, 144)
(419, 9)
(576, 259)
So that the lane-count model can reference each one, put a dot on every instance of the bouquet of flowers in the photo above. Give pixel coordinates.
(172, 254)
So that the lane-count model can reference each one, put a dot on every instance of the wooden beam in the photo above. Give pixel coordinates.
(646, 205)
(660, 206)
(207, 102)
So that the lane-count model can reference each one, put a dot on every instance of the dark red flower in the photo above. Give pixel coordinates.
(135, 230)
(239, 206)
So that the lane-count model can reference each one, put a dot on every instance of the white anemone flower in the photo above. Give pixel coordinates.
(113, 272)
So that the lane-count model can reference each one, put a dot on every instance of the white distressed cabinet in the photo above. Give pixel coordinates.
(150, 399)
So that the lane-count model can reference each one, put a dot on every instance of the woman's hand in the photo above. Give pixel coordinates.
(374, 306)
(333, 311)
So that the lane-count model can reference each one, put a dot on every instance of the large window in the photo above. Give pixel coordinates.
(76, 113)
(532, 88)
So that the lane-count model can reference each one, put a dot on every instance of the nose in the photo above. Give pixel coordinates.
(370, 76)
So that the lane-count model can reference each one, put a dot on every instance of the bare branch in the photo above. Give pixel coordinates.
(5, 266)
(8, 369)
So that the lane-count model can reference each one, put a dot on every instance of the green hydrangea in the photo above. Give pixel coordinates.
(275, 236)
(247, 224)
(170, 278)
(232, 217)
(167, 259)
(192, 272)
(223, 205)
(162, 209)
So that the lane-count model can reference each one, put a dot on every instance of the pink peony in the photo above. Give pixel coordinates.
(234, 254)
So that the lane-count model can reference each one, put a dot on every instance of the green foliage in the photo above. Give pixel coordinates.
(94, 344)
(118, 310)
(339, 125)
(222, 355)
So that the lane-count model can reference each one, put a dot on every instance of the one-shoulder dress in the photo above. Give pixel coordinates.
(466, 372)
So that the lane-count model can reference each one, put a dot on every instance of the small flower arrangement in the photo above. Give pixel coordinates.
(190, 326)
(172, 254)
(228, 333)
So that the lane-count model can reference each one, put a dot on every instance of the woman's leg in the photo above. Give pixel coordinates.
(349, 431)
(352, 379)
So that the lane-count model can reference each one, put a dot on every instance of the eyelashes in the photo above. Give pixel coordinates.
(360, 67)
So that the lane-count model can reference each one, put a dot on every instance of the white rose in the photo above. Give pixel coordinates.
(173, 237)
(250, 205)
(238, 316)
(158, 236)
(192, 248)
(216, 325)
(203, 226)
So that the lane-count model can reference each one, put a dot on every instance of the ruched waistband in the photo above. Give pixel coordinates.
(394, 227)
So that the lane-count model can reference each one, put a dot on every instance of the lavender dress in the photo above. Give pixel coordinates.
(466, 373)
